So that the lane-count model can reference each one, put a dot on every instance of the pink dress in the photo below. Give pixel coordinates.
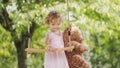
(56, 59)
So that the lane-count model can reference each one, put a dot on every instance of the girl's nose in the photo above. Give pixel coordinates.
(57, 27)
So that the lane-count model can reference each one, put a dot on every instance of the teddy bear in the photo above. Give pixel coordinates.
(74, 57)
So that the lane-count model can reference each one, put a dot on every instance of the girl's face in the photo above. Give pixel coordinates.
(55, 26)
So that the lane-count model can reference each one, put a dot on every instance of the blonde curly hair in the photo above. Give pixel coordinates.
(53, 17)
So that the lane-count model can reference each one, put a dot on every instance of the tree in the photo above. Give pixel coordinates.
(20, 43)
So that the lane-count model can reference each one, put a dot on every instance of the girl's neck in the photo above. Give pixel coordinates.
(54, 30)
(57, 32)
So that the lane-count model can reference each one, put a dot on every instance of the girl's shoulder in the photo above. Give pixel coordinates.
(49, 33)
(61, 31)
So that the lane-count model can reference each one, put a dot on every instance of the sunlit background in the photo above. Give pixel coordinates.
(99, 21)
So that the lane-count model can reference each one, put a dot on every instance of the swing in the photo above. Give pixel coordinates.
(38, 50)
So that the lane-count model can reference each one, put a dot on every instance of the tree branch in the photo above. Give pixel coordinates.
(25, 35)
(5, 1)
(7, 23)
(19, 2)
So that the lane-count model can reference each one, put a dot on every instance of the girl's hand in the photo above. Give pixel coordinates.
(51, 49)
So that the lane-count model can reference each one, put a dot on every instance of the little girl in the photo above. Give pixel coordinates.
(54, 39)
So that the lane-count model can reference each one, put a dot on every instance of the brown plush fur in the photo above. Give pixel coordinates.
(75, 59)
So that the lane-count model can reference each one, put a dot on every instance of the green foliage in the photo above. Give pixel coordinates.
(7, 50)
(99, 21)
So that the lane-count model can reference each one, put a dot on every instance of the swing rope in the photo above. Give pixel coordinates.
(68, 11)
(69, 33)
(34, 50)
(28, 29)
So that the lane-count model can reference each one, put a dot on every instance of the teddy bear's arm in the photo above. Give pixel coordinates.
(78, 36)
(78, 48)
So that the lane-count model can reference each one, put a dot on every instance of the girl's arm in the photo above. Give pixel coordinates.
(47, 44)
(47, 40)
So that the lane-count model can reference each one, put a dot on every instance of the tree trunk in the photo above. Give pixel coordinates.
(21, 54)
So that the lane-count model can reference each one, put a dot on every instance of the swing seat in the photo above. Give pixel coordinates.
(38, 50)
